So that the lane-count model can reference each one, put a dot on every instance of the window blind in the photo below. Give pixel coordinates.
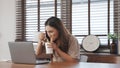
(81, 17)
(66, 13)
(117, 17)
(99, 21)
(119, 21)
(92, 17)
(19, 20)
(31, 16)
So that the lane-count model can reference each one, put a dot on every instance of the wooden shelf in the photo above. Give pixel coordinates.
(102, 57)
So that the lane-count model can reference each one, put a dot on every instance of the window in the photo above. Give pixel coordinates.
(36, 15)
(31, 15)
(81, 17)
(92, 17)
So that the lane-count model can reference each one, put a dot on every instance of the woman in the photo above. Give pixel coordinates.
(65, 46)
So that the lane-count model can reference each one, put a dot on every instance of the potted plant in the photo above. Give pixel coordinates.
(113, 45)
(114, 37)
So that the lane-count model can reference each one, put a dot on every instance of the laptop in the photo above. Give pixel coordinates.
(23, 52)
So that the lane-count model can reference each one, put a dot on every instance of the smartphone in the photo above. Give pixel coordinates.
(47, 37)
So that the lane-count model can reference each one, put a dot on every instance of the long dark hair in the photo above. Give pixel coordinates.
(63, 32)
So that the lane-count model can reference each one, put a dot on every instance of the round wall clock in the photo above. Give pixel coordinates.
(90, 43)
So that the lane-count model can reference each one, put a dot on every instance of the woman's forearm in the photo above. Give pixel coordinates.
(65, 56)
(39, 49)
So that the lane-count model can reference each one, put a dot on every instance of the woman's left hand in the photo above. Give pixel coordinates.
(53, 45)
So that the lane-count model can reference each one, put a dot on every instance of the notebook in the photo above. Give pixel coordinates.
(23, 52)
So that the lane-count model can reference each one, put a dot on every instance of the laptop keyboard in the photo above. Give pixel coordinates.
(42, 61)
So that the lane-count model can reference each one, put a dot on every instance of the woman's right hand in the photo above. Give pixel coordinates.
(42, 36)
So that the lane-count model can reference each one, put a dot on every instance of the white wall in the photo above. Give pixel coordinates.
(0, 28)
(7, 26)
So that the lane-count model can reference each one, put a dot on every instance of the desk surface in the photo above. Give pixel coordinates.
(60, 65)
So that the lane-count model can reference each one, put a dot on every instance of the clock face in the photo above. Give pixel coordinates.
(90, 43)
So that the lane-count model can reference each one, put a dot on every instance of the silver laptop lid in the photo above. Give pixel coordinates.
(22, 52)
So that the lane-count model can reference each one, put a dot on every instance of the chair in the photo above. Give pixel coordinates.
(83, 58)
